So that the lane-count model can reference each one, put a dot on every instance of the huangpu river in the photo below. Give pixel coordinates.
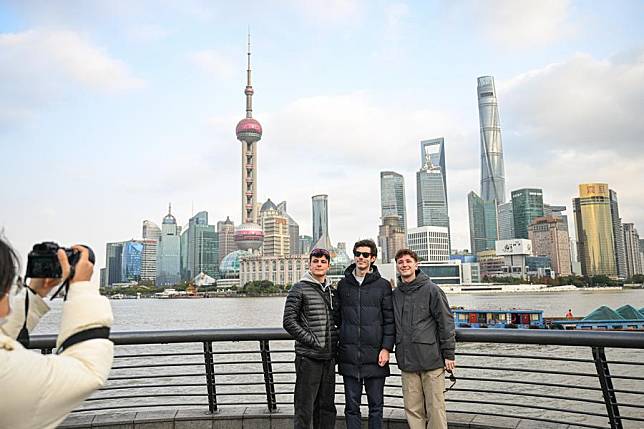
(167, 314)
(473, 363)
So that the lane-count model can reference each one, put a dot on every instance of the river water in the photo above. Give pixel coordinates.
(170, 314)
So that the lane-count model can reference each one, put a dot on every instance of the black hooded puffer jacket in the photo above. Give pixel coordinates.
(311, 316)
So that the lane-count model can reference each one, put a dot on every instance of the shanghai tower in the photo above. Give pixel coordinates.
(492, 169)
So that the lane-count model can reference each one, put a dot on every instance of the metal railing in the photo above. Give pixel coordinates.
(561, 377)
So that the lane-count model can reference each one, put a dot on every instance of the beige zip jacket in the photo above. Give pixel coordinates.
(38, 391)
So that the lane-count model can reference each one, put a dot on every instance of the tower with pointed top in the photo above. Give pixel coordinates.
(249, 235)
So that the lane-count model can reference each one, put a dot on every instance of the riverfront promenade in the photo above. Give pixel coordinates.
(244, 378)
(260, 418)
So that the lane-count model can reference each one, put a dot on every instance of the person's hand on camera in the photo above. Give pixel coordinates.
(84, 268)
(43, 286)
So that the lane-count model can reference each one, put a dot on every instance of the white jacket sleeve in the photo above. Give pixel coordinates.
(44, 389)
(37, 308)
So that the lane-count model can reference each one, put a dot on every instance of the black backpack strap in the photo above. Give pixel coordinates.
(88, 334)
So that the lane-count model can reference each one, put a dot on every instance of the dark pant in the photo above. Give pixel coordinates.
(353, 394)
(314, 393)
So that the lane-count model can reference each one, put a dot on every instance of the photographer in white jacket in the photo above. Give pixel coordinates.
(40, 390)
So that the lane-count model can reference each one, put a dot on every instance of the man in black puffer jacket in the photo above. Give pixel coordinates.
(311, 316)
(366, 334)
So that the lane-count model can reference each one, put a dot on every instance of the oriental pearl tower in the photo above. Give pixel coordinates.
(249, 235)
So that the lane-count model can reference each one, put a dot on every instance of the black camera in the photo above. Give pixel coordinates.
(42, 261)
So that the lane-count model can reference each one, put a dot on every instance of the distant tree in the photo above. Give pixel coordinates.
(637, 278)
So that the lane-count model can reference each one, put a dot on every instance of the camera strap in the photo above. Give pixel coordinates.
(23, 335)
(65, 284)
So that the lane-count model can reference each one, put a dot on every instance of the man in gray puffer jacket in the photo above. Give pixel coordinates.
(311, 317)
(425, 343)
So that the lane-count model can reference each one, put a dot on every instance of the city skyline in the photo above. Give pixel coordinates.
(158, 106)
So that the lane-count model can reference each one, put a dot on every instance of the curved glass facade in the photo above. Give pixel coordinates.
(595, 230)
(492, 167)
(229, 266)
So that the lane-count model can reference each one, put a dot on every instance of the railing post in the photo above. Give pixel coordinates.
(210, 376)
(271, 401)
(607, 387)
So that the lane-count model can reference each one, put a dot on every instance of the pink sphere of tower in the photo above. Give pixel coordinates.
(248, 129)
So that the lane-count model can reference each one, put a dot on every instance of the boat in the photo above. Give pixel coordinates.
(513, 318)
(625, 317)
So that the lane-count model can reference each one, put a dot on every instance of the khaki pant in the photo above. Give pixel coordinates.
(424, 399)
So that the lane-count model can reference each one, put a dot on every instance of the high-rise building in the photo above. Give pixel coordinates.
(505, 217)
(431, 185)
(527, 205)
(642, 252)
(293, 229)
(392, 196)
(431, 243)
(632, 250)
(483, 223)
(557, 211)
(226, 231)
(276, 234)
(151, 230)
(549, 236)
(492, 168)
(391, 237)
(594, 225)
(306, 244)
(113, 263)
(618, 236)
(321, 221)
(249, 236)
(169, 252)
(202, 247)
(149, 261)
(131, 258)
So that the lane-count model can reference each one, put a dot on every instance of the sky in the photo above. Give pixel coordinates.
(111, 110)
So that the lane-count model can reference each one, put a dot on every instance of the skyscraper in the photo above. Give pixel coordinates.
(632, 250)
(249, 235)
(506, 221)
(527, 205)
(276, 234)
(202, 247)
(151, 230)
(113, 263)
(293, 229)
(618, 235)
(431, 185)
(321, 221)
(131, 258)
(593, 221)
(483, 224)
(392, 196)
(169, 252)
(492, 168)
(549, 236)
(226, 231)
(391, 237)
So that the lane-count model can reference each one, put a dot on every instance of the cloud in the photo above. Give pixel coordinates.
(520, 23)
(329, 11)
(583, 104)
(214, 62)
(64, 55)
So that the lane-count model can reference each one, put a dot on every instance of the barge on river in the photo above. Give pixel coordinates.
(513, 318)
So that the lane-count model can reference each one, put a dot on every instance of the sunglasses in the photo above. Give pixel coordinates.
(451, 378)
(320, 252)
(364, 254)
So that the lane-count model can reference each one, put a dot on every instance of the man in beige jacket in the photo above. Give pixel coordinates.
(40, 390)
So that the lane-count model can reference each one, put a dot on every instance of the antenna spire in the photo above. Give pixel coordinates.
(249, 87)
